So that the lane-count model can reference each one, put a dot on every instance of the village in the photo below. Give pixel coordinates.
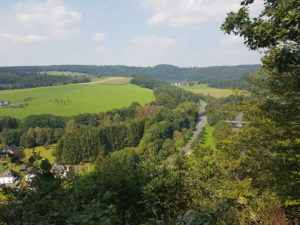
(14, 171)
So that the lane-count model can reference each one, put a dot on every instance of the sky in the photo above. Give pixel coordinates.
(120, 32)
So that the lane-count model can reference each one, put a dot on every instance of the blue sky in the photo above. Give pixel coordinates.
(120, 32)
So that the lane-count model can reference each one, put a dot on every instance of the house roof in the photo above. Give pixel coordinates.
(31, 170)
(13, 148)
(58, 167)
(16, 151)
(8, 173)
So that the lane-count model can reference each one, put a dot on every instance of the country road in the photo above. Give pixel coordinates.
(202, 121)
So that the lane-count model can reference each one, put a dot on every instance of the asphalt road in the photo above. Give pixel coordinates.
(202, 121)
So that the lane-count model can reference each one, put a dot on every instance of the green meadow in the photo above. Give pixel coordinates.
(45, 152)
(73, 99)
(208, 139)
(206, 90)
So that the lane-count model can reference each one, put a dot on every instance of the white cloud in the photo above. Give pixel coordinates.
(22, 39)
(158, 18)
(186, 13)
(51, 16)
(98, 37)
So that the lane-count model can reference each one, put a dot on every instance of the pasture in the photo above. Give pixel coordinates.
(206, 90)
(112, 80)
(73, 99)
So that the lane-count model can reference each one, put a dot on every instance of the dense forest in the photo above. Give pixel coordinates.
(250, 177)
(11, 79)
(216, 76)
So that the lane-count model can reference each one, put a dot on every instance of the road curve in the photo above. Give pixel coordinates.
(202, 121)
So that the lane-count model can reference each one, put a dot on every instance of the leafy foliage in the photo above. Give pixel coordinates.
(276, 30)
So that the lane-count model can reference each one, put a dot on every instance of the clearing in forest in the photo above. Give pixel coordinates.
(113, 80)
(206, 90)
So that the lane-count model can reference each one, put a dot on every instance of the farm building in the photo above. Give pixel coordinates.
(9, 177)
(12, 150)
(4, 102)
(64, 171)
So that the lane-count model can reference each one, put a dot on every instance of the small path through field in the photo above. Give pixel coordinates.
(202, 121)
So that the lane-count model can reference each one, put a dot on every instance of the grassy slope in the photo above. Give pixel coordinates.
(208, 138)
(113, 80)
(79, 98)
(46, 152)
(204, 89)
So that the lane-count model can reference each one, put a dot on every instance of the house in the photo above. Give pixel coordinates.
(237, 124)
(9, 177)
(31, 172)
(60, 170)
(12, 150)
(4, 102)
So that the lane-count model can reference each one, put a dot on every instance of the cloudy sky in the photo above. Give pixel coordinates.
(122, 32)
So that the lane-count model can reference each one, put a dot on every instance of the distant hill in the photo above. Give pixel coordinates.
(161, 72)
(217, 76)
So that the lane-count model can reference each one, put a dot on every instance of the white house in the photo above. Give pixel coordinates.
(30, 174)
(4, 102)
(9, 177)
(12, 150)
(60, 170)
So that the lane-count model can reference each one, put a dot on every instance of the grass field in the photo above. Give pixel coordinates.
(208, 139)
(73, 99)
(46, 152)
(113, 80)
(204, 89)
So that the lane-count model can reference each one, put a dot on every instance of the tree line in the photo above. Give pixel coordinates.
(11, 79)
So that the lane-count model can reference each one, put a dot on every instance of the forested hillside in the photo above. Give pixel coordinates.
(217, 76)
(11, 79)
